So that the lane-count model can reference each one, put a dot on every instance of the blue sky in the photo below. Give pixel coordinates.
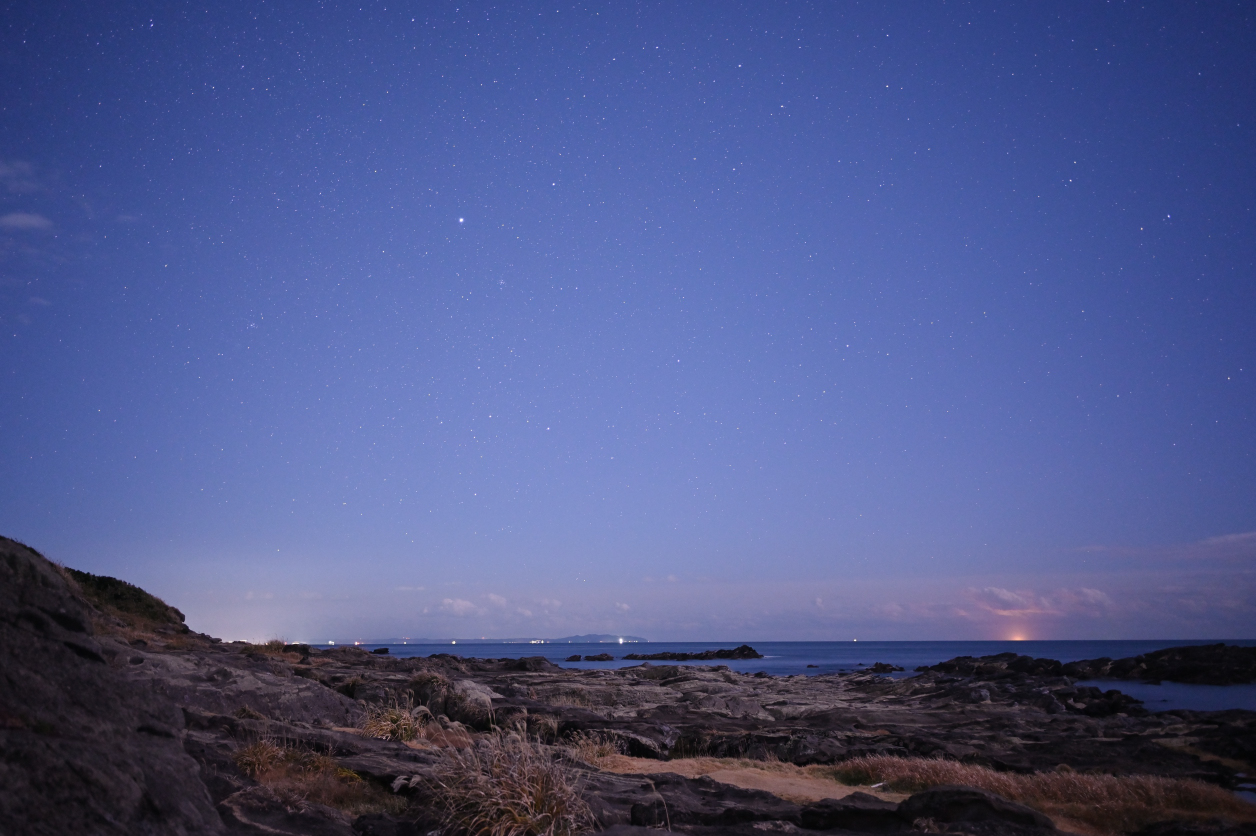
(699, 321)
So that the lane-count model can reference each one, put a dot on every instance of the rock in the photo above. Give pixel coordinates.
(380, 651)
(969, 804)
(1208, 664)
(536, 663)
(260, 810)
(745, 651)
(702, 801)
(575, 657)
(601, 657)
(225, 681)
(378, 824)
(999, 665)
(858, 811)
(471, 702)
(85, 750)
(884, 667)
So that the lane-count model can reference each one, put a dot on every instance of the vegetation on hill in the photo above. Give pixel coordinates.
(134, 606)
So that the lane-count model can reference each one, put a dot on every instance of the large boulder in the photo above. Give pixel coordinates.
(82, 750)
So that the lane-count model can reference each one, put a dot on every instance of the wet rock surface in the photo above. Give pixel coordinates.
(151, 722)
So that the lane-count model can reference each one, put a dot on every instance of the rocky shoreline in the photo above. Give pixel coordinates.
(116, 718)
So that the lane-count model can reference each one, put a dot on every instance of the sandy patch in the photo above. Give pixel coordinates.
(784, 780)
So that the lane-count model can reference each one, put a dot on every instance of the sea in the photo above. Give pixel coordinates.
(810, 658)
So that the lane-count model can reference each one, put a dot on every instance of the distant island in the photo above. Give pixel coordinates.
(745, 651)
(590, 638)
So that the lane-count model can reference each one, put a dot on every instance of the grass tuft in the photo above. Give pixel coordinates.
(294, 773)
(506, 785)
(593, 747)
(397, 721)
(1108, 803)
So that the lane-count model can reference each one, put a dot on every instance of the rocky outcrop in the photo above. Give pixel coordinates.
(1210, 664)
(116, 718)
(84, 749)
(745, 651)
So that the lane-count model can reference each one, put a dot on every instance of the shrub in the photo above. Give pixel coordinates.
(506, 785)
(1107, 802)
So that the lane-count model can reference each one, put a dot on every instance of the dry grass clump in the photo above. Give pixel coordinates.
(430, 688)
(594, 747)
(506, 785)
(543, 727)
(397, 721)
(296, 775)
(1106, 802)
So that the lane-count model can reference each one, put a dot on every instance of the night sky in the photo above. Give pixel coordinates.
(695, 321)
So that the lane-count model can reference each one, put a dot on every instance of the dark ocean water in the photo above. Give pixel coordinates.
(788, 658)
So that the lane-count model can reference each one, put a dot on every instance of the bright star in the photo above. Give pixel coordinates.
(460, 220)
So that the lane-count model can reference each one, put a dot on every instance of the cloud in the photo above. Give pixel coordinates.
(24, 221)
(1004, 602)
(38, 300)
(457, 606)
(1082, 599)
(497, 599)
(550, 603)
(622, 607)
(524, 612)
(1225, 548)
(18, 177)
(1241, 544)
(819, 603)
(409, 588)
